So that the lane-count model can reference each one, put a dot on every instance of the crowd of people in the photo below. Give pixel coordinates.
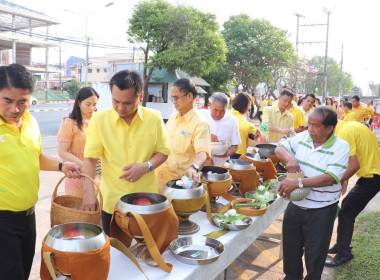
(138, 152)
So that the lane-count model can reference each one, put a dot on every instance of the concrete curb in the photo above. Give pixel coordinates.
(48, 110)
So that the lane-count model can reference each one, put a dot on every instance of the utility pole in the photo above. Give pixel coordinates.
(341, 75)
(296, 72)
(325, 68)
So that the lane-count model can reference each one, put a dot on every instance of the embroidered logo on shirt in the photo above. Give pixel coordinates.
(186, 133)
(2, 139)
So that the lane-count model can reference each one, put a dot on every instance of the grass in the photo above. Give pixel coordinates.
(366, 251)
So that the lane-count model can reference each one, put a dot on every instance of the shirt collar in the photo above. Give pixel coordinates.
(188, 115)
(328, 143)
(26, 119)
(116, 117)
(277, 109)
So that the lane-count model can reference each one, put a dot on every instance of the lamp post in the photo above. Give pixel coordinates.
(87, 37)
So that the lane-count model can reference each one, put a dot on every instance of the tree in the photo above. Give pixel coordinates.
(256, 50)
(73, 87)
(175, 37)
(219, 78)
(333, 77)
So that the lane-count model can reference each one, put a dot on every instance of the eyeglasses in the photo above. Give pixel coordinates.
(175, 98)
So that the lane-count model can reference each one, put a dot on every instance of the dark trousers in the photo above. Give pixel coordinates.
(259, 114)
(106, 222)
(306, 231)
(355, 201)
(17, 246)
(252, 112)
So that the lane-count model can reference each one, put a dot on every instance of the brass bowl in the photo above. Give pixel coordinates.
(172, 191)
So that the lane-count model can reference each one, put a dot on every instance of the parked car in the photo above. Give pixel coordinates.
(33, 100)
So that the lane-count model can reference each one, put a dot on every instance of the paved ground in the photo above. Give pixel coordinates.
(260, 261)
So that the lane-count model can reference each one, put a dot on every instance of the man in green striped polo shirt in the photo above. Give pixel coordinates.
(308, 223)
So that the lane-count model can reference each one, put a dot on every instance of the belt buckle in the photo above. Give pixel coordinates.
(30, 211)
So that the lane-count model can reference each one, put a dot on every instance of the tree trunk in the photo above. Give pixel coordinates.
(146, 84)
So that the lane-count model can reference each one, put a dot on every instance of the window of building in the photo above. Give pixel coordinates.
(89, 70)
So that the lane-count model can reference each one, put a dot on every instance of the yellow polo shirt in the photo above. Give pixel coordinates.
(253, 100)
(245, 128)
(349, 116)
(363, 144)
(298, 117)
(371, 111)
(263, 104)
(269, 101)
(272, 115)
(19, 164)
(118, 144)
(361, 113)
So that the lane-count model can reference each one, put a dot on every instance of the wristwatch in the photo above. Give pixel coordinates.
(60, 165)
(150, 166)
(300, 185)
(195, 166)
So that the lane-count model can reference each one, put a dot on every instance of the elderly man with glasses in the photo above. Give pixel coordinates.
(224, 126)
(189, 136)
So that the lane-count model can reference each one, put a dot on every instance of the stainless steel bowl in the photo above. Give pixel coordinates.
(75, 237)
(219, 148)
(171, 190)
(160, 202)
(219, 173)
(246, 223)
(197, 250)
(238, 164)
(252, 157)
(266, 149)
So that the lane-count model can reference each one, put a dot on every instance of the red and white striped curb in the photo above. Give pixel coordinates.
(54, 102)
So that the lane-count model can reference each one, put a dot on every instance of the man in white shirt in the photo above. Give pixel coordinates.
(224, 126)
(307, 105)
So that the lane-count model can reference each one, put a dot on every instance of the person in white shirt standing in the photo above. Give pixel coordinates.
(224, 126)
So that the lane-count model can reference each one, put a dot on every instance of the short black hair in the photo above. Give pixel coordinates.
(240, 102)
(16, 76)
(287, 91)
(348, 105)
(357, 98)
(311, 95)
(186, 86)
(328, 115)
(126, 79)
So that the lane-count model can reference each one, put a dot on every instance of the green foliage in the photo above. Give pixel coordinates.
(176, 37)
(256, 50)
(219, 78)
(73, 87)
(314, 85)
(366, 249)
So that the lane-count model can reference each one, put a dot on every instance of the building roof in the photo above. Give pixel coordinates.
(196, 80)
(25, 18)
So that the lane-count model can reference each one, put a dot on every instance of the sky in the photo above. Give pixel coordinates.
(354, 24)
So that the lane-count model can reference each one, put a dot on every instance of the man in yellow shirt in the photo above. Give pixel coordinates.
(21, 159)
(298, 118)
(307, 105)
(253, 101)
(364, 160)
(371, 111)
(360, 111)
(348, 115)
(262, 105)
(280, 121)
(269, 101)
(132, 142)
(189, 136)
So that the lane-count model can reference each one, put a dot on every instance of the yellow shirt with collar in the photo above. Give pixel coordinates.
(245, 128)
(263, 104)
(361, 113)
(253, 100)
(272, 115)
(363, 145)
(371, 111)
(349, 116)
(269, 101)
(19, 164)
(298, 117)
(118, 144)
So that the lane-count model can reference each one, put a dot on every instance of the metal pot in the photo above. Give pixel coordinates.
(252, 157)
(238, 164)
(75, 237)
(160, 202)
(266, 149)
(219, 173)
(171, 190)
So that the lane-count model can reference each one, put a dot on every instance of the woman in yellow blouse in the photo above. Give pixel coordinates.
(240, 105)
(330, 103)
(72, 134)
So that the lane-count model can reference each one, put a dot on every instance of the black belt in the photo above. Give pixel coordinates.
(28, 212)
